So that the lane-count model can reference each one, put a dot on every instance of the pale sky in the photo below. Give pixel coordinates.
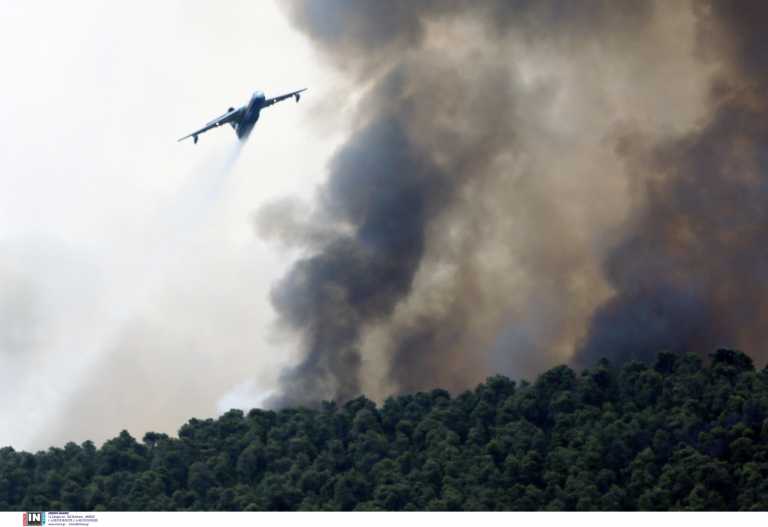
(133, 290)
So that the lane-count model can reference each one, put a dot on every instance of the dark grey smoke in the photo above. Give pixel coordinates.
(519, 187)
(357, 278)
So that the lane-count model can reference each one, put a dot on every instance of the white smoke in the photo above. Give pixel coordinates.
(133, 293)
(244, 396)
(189, 329)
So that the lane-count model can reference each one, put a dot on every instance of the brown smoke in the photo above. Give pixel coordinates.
(691, 273)
(522, 186)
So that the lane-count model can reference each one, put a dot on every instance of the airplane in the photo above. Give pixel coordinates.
(244, 118)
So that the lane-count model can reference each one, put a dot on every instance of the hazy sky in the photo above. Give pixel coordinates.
(133, 289)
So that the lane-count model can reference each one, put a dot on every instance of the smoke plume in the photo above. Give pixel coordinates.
(690, 274)
(527, 183)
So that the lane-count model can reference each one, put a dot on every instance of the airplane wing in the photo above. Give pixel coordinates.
(273, 100)
(231, 116)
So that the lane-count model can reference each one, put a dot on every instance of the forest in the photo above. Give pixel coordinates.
(682, 433)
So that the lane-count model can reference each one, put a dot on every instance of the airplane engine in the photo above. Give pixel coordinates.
(298, 97)
(232, 123)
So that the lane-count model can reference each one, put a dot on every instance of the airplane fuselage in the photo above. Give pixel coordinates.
(251, 115)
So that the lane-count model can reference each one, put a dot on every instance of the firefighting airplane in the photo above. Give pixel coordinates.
(244, 118)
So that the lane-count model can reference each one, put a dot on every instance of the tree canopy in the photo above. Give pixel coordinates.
(679, 434)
